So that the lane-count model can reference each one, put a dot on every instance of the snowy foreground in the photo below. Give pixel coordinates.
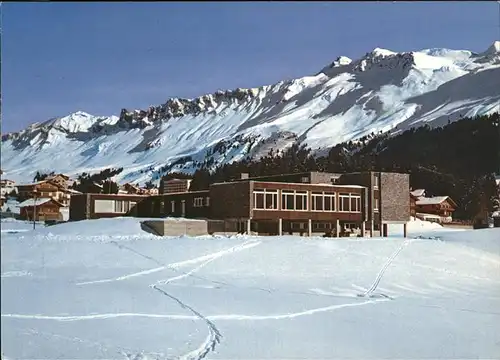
(103, 289)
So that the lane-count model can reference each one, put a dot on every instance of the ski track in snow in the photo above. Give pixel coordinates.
(214, 335)
(172, 266)
(245, 245)
(222, 317)
(370, 291)
(121, 246)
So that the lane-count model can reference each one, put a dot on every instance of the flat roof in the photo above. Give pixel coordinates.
(182, 192)
(115, 195)
(293, 183)
(291, 174)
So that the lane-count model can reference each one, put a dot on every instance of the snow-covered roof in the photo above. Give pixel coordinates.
(56, 175)
(435, 200)
(31, 202)
(32, 184)
(418, 192)
(72, 191)
(177, 180)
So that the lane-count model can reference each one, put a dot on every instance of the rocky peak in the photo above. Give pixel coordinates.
(177, 107)
(384, 59)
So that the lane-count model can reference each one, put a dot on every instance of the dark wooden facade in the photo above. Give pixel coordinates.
(49, 210)
(192, 204)
(444, 209)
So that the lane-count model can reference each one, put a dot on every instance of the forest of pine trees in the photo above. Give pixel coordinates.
(85, 182)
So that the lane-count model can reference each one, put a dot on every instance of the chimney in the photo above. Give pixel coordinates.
(244, 176)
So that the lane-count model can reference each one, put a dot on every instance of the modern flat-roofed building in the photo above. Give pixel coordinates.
(302, 203)
(295, 203)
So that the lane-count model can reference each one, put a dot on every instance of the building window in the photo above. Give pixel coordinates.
(172, 206)
(258, 198)
(330, 202)
(317, 201)
(344, 203)
(298, 226)
(349, 202)
(162, 207)
(198, 202)
(287, 200)
(104, 206)
(207, 201)
(121, 206)
(375, 181)
(350, 226)
(323, 201)
(355, 203)
(301, 200)
(375, 206)
(294, 200)
(265, 199)
(305, 179)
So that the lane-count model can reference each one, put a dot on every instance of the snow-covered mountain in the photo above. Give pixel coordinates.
(382, 91)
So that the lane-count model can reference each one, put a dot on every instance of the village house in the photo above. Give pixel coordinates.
(438, 208)
(60, 180)
(41, 208)
(129, 189)
(46, 189)
(152, 191)
(7, 186)
(136, 190)
(435, 208)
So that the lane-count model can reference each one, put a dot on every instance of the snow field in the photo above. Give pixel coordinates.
(105, 289)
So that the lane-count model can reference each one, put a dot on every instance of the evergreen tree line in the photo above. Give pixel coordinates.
(458, 160)
(85, 182)
(40, 176)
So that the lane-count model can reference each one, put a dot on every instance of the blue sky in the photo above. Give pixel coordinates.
(58, 58)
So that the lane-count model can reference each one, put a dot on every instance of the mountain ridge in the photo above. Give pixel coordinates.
(346, 100)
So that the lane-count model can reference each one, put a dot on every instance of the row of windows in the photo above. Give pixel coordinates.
(200, 201)
(299, 201)
(197, 202)
(323, 226)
